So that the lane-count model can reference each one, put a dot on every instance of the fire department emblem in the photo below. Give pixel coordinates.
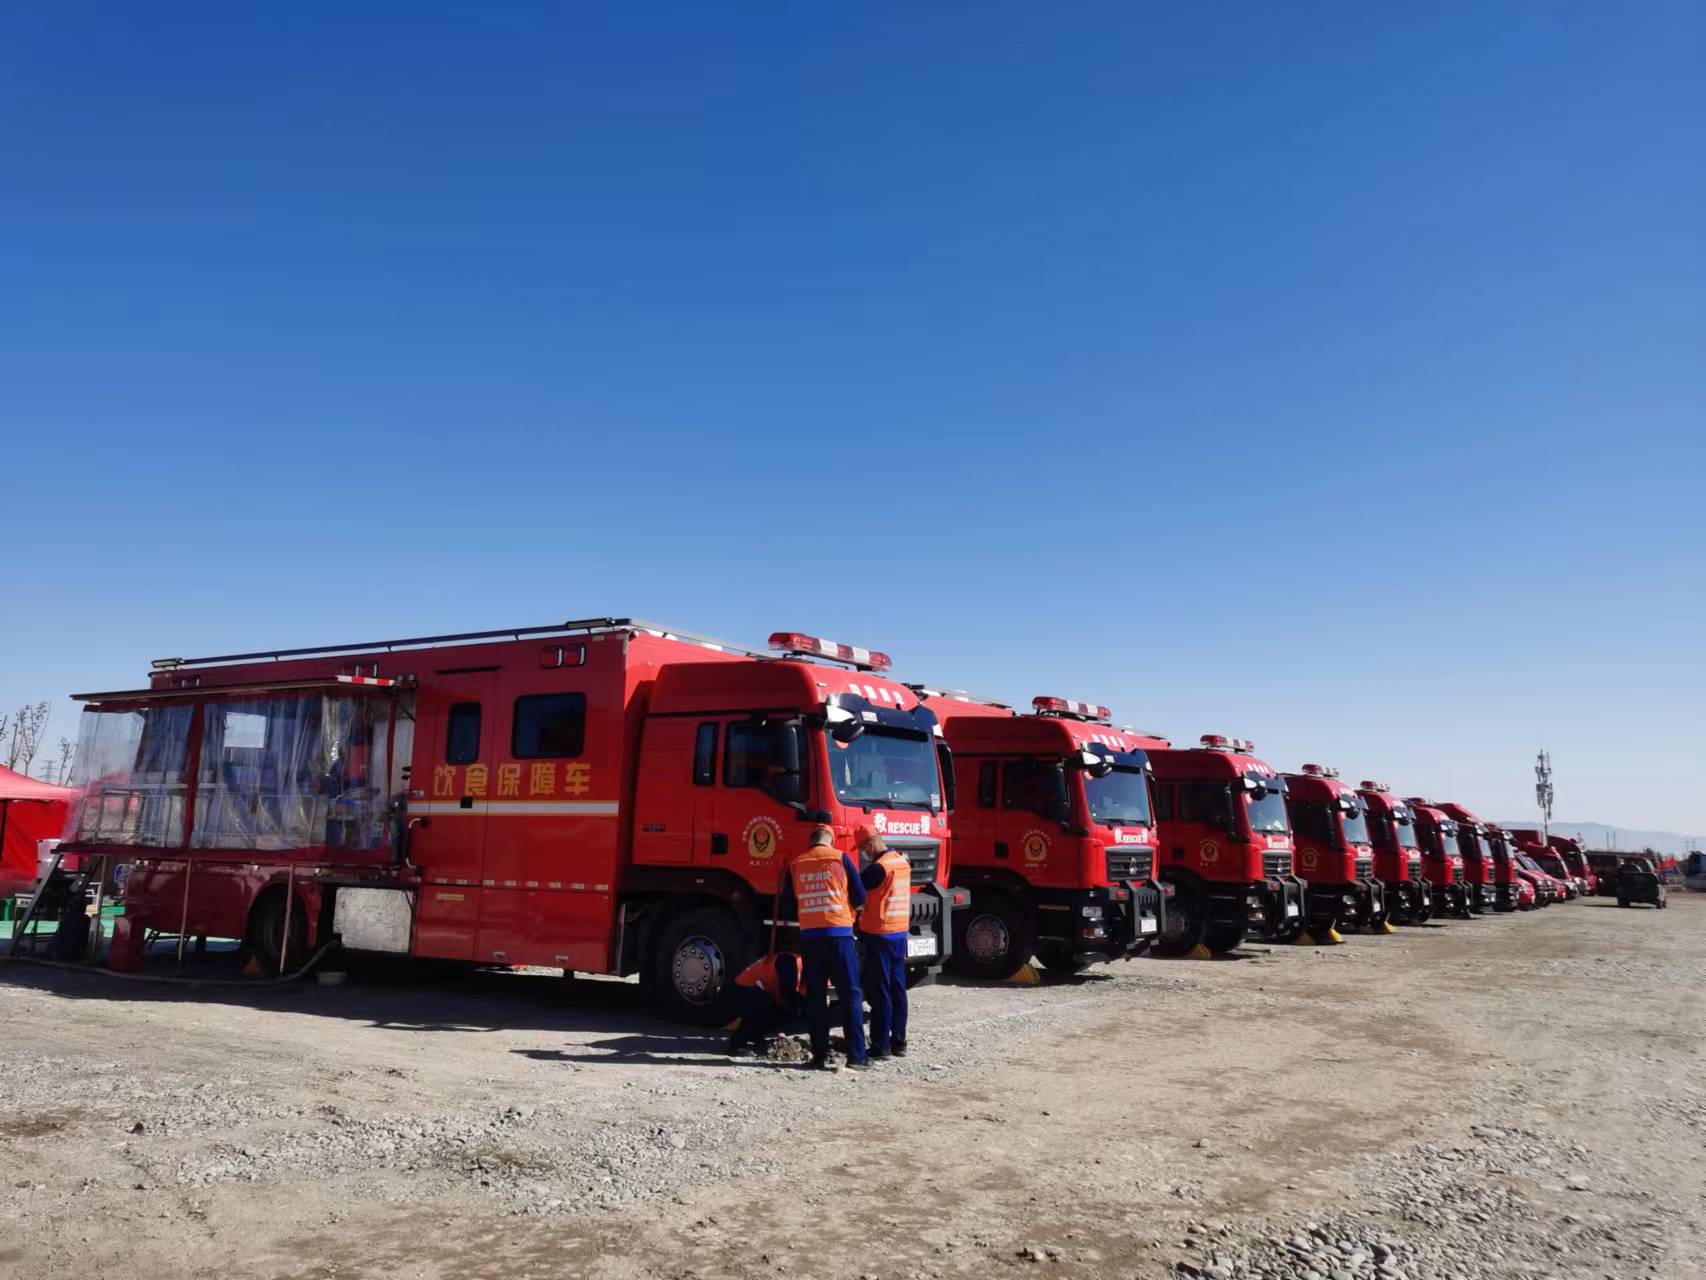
(1310, 858)
(1208, 851)
(1035, 845)
(761, 836)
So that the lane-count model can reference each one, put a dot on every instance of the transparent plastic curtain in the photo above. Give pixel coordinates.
(130, 768)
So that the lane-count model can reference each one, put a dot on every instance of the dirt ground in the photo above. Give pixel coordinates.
(1504, 1096)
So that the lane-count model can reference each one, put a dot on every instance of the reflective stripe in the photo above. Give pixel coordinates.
(520, 808)
(820, 888)
(888, 907)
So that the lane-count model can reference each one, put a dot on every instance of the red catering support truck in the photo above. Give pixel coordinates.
(1442, 861)
(1335, 854)
(607, 796)
(1054, 835)
(1397, 856)
(1486, 860)
(1226, 846)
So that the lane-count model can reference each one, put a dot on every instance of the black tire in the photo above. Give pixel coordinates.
(690, 973)
(1186, 923)
(1623, 902)
(994, 936)
(266, 932)
(1222, 936)
(919, 977)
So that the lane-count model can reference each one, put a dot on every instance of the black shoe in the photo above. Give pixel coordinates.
(818, 1064)
(898, 1048)
(876, 1055)
(864, 1064)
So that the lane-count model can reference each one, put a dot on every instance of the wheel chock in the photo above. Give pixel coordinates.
(1026, 975)
(733, 1024)
(1305, 939)
(1334, 936)
(1386, 926)
(252, 968)
(1199, 952)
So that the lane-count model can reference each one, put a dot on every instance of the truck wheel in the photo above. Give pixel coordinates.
(1623, 902)
(266, 932)
(1223, 936)
(1186, 923)
(1060, 960)
(994, 937)
(694, 965)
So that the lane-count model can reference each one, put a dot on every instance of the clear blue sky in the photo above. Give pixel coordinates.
(1332, 375)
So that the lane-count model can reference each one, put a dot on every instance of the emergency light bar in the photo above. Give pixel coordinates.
(794, 642)
(1220, 742)
(384, 682)
(1366, 785)
(1320, 771)
(1067, 707)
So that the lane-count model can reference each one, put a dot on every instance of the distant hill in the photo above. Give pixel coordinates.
(1597, 835)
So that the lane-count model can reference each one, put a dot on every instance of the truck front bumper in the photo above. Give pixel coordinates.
(930, 933)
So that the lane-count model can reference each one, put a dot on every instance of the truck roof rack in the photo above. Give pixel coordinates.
(957, 695)
(461, 637)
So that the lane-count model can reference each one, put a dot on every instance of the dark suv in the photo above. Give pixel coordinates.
(1638, 881)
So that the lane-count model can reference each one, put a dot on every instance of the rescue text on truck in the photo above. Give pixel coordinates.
(606, 795)
(1335, 854)
(1054, 835)
(1397, 856)
(1226, 846)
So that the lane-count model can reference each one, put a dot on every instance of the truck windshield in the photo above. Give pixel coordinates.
(1120, 797)
(1356, 826)
(1472, 845)
(1407, 835)
(1267, 812)
(885, 767)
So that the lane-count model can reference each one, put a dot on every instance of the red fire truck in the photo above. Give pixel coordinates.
(1053, 835)
(1486, 860)
(1397, 856)
(1571, 863)
(1335, 854)
(606, 795)
(1226, 846)
(1442, 860)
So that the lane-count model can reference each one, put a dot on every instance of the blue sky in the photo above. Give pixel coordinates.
(1332, 376)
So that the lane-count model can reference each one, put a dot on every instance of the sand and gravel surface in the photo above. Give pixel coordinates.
(1511, 1096)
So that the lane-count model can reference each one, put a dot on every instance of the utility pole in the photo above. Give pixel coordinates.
(1543, 792)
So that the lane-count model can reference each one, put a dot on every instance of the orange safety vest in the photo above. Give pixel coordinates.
(820, 889)
(888, 907)
(762, 973)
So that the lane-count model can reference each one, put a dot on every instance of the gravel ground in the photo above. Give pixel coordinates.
(1497, 1097)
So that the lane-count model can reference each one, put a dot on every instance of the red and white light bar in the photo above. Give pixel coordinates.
(1220, 742)
(1068, 707)
(797, 642)
(1379, 787)
(384, 682)
(1320, 771)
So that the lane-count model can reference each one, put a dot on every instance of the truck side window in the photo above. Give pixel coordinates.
(548, 726)
(768, 756)
(705, 755)
(986, 785)
(1314, 822)
(462, 733)
(945, 766)
(1163, 802)
(744, 755)
(1204, 802)
(1033, 786)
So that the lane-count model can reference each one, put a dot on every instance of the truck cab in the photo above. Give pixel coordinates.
(1054, 835)
(1480, 867)
(1335, 852)
(1397, 856)
(1226, 846)
(1442, 859)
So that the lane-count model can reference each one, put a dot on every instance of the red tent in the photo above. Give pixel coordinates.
(29, 811)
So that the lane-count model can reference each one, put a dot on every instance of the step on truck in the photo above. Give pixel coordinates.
(605, 796)
(1442, 860)
(1397, 856)
(1487, 860)
(1054, 835)
(1335, 855)
(1226, 846)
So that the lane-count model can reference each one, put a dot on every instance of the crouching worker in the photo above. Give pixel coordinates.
(767, 998)
(821, 892)
(883, 925)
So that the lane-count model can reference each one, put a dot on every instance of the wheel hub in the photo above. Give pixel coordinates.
(987, 938)
(697, 970)
(1178, 923)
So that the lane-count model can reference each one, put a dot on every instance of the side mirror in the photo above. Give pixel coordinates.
(847, 732)
(1095, 764)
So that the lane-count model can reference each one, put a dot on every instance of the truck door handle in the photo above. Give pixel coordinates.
(1000, 848)
(719, 843)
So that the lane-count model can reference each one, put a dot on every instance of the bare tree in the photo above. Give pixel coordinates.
(27, 725)
(62, 767)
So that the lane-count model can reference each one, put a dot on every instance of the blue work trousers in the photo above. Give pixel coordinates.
(885, 988)
(827, 960)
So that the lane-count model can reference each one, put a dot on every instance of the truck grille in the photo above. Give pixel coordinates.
(1130, 862)
(1365, 868)
(1276, 864)
(922, 857)
(1413, 867)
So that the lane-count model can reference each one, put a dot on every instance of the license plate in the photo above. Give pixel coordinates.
(1146, 925)
(916, 947)
(1291, 908)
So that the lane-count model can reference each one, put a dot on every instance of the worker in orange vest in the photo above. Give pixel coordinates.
(767, 995)
(822, 892)
(883, 925)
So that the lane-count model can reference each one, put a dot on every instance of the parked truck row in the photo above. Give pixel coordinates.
(611, 796)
